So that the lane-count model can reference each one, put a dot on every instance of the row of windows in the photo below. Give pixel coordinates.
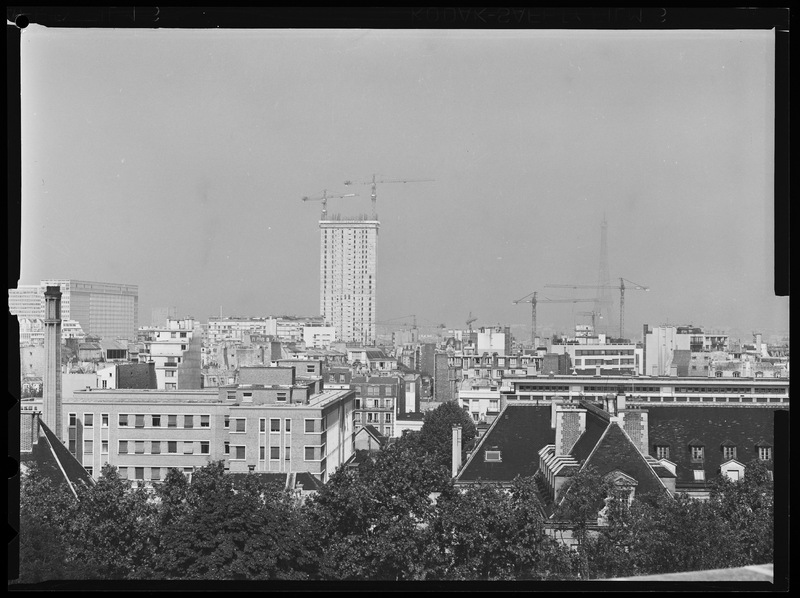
(239, 452)
(156, 447)
(372, 418)
(728, 452)
(616, 352)
(374, 403)
(156, 421)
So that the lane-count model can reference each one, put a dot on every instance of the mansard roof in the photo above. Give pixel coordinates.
(519, 433)
(682, 426)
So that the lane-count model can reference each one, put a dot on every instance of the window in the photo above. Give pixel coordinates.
(310, 453)
(288, 425)
(104, 420)
(231, 395)
(169, 373)
(188, 421)
(155, 447)
(240, 425)
(172, 446)
(227, 422)
(156, 421)
(765, 453)
(310, 369)
(123, 473)
(492, 456)
(247, 397)
(274, 425)
(205, 421)
(188, 448)
(139, 421)
(138, 473)
(357, 417)
(104, 447)
(88, 420)
(699, 475)
(123, 420)
(662, 452)
(697, 453)
(387, 418)
(89, 469)
(311, 426)
(226, 447)
(728, 452)
(170, 386)
(262, 453)
(155, 474)
(88, 446)
(205, 447)
(281, 396)
(274, 452)
(172, 421)
(239, 452)
(123, 447)
(139, 447)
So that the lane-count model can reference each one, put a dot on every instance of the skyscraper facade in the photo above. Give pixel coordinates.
(103, 309)
(348, 264)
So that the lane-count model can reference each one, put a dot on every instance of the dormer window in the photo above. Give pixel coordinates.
(492, 455)
(696, 451)
(728, 450)
(662, 451)
(764, 452)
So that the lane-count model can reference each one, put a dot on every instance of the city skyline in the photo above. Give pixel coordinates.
(176, 161)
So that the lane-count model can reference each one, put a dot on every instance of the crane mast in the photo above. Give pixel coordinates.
(374, 184)
(621, 287)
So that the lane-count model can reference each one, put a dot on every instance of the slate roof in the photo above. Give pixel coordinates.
(52, 458)
(678, 426)
(616, 452)
(596, 423)
(519, 432)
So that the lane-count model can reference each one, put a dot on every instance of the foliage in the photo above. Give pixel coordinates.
(436, 435)
(489, 533)
(225, 527)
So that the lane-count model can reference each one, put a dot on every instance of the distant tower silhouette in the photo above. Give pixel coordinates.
(604, 303)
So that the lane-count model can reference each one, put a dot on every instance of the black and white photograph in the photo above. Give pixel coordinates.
(438, 299)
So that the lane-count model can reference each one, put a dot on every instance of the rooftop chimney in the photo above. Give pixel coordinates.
(51, 395)
(456, 449)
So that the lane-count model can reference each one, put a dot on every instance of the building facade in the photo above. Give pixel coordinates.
(348, 277)
(176, 352)
(271, 421)
(103, 309)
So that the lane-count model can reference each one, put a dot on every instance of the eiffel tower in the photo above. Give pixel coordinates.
(604, 302)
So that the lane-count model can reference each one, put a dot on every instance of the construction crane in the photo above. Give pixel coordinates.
(324, 199)
(621, 287)
(374, 184)
(470, 320)
(533, 300)
(594, 315)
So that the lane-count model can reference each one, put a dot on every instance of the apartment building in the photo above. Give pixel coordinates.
(377, 401)
(175, 350)
(348, 277)
(270, 422)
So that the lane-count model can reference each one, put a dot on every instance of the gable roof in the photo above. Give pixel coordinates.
(519, 433)
(615, 451)
(680, 426)
(40, 445)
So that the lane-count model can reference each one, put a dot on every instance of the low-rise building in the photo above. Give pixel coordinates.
(270, 421)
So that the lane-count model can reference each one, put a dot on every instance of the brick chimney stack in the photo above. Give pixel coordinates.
(51, 395)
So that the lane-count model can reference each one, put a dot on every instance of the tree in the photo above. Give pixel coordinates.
(579, 502)
(488, 533)
(45, 509)
(113, 528)
(436, 435)
(372, 521)
(224, 527)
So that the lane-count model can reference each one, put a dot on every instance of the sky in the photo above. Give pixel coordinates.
(176, 160)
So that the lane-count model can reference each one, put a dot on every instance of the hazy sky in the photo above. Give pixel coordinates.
(176, 160)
